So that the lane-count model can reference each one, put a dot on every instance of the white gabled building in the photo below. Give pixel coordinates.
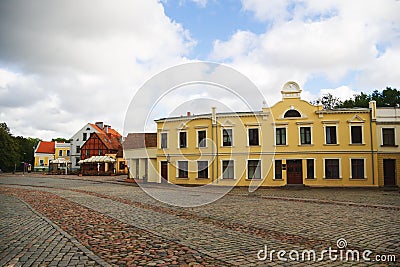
(79, 138)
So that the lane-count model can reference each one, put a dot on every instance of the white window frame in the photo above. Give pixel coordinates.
(247, 170)
(315, 168)
(222, 136)
(222, 170)
(340, 168)
(60, 153)
(248, 137)
(179, 139)
(177, 169)
(362, 133)
(273, 170)
(311, 132)
(286, 134)
(351, 169)
(395, 135)
(337, 133)
(197, 138)
(197, 170)
(161, 134)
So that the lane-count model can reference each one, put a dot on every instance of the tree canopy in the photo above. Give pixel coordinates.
(15, 150)
(389, 97)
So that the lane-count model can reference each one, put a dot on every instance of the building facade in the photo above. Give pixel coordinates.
(291, 143)
(80, 137)
(140, 153)
(44, 153)
(387, 131)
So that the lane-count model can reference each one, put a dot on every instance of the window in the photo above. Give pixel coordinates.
(357, 168)
(60, 153)
(202, 169)
(100, 152)
(182, 139)
(332, 169)
(78, 149)
(292, 114)
(253, 137)
(356, 135)
(76, 161)
(305, 135)
(87, 152)
(84, 136)
(68, 153)
(330, 134)
(228, 169)
(254, 169)
(164, 140)
(278, 169)
(121, 165)
(183, 169)
(388, 136)
(227, 137)
(280, 134)
(41, 162)
(202, 138)
(310, 169)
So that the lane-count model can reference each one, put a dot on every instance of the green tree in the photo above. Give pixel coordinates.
(328, 101)
(387, 98)
(9, 157)
(60, 139)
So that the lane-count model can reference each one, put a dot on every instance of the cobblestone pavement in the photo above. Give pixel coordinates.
(124, 226)
(27, 239)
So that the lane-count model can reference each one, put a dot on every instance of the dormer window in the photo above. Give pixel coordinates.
(292, 114)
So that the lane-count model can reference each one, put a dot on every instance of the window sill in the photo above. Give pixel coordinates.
(227, 146)
(201, 178)
(182, 178)
(313, 178)
(254, 179)
(281, 145)
(306, 145)
(331, 144)
(277, 179)
(228, 179)
(389, 145)
(253, 145)
(201, 147)
(332, 178)
(358, 179)
(356, 144)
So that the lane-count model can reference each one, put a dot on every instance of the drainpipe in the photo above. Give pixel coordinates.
(372, 116)
(213, 125)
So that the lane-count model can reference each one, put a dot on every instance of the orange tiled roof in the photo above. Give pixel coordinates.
(110, 130)
(110, 141)
(46, 147)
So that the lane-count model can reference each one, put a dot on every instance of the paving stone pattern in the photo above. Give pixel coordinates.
(26, 239)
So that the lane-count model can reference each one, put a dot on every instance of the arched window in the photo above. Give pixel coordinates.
(292, 114)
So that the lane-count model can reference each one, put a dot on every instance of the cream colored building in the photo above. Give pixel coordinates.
(387, 130)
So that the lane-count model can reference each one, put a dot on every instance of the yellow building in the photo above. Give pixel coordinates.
(44, 153)
(291, 143)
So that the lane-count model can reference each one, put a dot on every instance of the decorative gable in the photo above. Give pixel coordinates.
(356, 119)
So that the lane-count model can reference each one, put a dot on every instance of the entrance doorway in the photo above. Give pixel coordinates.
(389, 172)
(164, 172)
(294, 171)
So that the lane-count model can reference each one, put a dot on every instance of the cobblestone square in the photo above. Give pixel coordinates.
(102, 221)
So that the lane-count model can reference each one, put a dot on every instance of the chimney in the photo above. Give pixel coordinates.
(106, 128)
(100, 124)
(188, 114)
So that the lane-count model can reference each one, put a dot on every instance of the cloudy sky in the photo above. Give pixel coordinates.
(68, 62)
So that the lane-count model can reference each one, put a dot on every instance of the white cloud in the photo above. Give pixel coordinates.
(73, 62)
(310, 37)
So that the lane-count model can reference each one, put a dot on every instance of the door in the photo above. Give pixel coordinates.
(294, 171)
(389, 172)
(164, 172)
